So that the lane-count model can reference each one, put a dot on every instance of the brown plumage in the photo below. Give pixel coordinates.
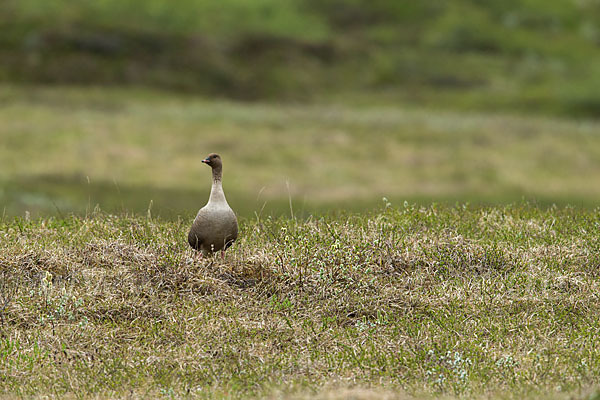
(215, 227)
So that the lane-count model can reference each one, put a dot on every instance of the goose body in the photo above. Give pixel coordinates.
(215, 226)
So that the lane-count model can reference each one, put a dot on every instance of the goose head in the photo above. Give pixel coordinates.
(213, 160)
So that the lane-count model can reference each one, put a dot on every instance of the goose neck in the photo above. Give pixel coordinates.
(216, 191)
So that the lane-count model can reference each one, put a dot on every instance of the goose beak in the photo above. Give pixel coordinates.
(206, 161)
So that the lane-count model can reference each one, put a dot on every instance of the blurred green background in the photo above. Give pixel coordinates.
(332, 104)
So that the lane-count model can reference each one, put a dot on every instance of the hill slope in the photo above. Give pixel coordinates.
(522, 55)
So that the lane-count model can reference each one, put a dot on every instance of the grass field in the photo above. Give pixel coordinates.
(462, 302)
(67, 150)
(416, 184)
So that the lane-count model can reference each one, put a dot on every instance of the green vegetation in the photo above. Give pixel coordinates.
(67, 150)
(440, 108)
(460, 301)
(519, 55)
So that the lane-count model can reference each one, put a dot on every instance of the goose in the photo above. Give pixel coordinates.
(215, 226)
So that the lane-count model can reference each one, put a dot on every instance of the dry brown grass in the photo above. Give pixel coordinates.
(467, 302)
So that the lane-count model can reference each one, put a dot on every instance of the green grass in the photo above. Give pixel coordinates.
(66, 150)
(525, 56)
(464, 302)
